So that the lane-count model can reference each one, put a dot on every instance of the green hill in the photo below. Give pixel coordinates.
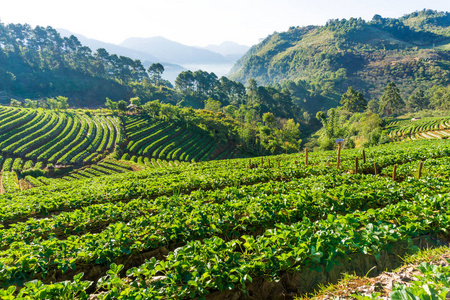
(37, 63)
(319, 63)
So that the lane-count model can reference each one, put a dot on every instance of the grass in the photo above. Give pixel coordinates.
(347, 286)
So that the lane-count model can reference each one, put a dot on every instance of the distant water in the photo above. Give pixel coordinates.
(218, 69)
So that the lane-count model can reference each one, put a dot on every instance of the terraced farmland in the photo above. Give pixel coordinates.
(427, 128)
(171, 142)
(225, 228)
(58, 142)
(56, 137)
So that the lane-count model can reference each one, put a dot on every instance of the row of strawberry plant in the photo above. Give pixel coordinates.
(18, 119)
(138, 145)
(7, 111)
(91, 144)
(408, 128)
(10, 182)
(255, 206)
(214, 264)
(81, 137)
(207, 175)
(218, 265)
(54, 149)
(41, 136)
(173, 222)
(21, 139)
(48, 140)
(118, 130)
(16, 134)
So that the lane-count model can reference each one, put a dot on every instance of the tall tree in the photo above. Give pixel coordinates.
(155, 71)
(391, 102)
(353, 101)
(418, 101)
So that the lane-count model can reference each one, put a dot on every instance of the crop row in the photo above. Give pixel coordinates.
(215, 264)
(166, 141)
(17, 119)
(403, 129)
(148, 225)
(57, 137)
(210, 175)
(218, 263)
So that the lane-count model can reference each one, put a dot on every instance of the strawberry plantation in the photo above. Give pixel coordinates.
(269, 227)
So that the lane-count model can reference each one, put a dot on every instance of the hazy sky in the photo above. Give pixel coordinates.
(198, 22)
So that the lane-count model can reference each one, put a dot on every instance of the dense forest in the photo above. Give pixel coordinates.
(318, 63)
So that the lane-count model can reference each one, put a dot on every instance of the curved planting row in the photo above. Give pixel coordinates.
(56, 137)
(16, 119)
(168, 141)
(409, 129)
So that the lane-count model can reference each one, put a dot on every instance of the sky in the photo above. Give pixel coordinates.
(198, 22)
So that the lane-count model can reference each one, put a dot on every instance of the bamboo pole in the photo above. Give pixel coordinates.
(364, 156)
(375, 167)
(338, 157)
(420, 169)
(394, 172)
(356, 165)
(306, 156)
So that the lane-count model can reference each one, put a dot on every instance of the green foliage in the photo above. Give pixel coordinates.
(122, 105)
(391, 102)
(212, 105)
(135, 101)
(325, 60)
(353, 101)
(15, 103)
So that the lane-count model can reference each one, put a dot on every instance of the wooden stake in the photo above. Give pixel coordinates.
(338, 156)
(249, 163)
(375, 167)
(394, 172)
(356, 165)
(262, 162)
(420, 169)
(278, 164)
(364, 156)
(306, 156)
(268, 160)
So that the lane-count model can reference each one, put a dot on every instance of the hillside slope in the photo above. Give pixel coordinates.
(413, 51)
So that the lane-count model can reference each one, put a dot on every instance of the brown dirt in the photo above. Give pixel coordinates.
(382, 283)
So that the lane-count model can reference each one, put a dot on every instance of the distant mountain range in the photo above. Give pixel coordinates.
(175, 57)
(168, 50)
(231, 50)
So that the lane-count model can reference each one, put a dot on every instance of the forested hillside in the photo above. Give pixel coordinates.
(37, 63)
(318, 63)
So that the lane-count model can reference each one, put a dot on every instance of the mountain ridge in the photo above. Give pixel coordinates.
(411, 50)
(173, 51)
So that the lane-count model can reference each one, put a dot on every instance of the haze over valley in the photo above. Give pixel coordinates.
(174, 56)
